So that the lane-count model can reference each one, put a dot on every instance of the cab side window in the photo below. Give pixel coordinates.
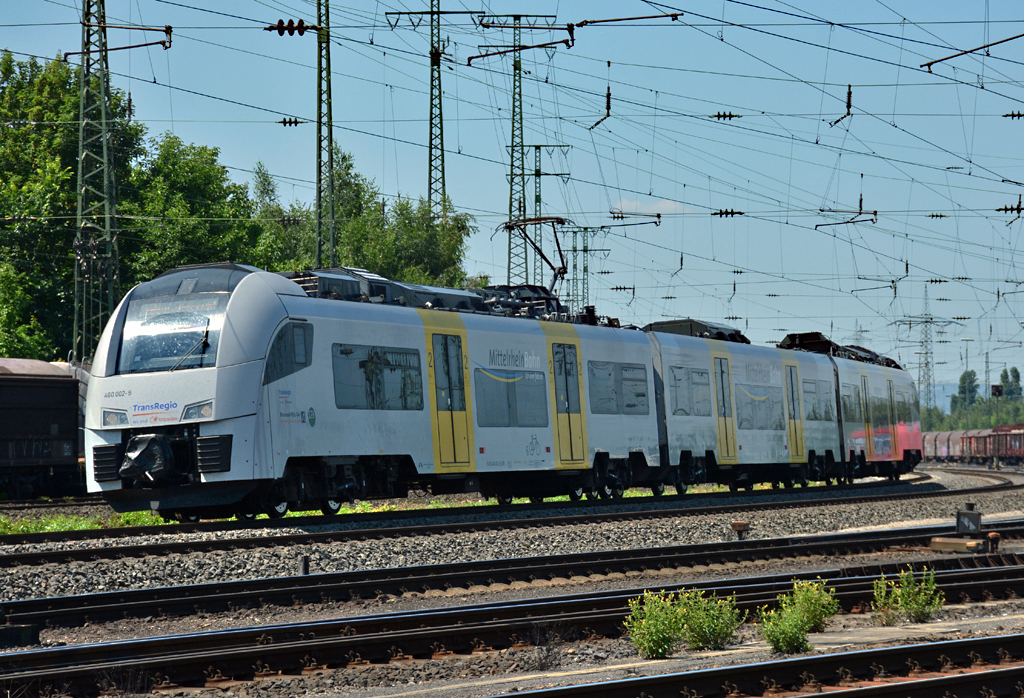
(291, 351)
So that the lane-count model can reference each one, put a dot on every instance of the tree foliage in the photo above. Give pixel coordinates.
(984, 412)
(38, 175)
(176, 205)
(185, 210)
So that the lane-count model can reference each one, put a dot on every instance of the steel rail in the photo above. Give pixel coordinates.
(290, 649)
(343, 586)
(160, 548)
(928, 670)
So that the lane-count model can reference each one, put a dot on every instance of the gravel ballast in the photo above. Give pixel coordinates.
(110, 575)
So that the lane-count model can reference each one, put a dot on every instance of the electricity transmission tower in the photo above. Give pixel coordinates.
(518, 269)
(324, 137)
(579, 282)
(436, 193)
(435, 179)
(926, 372)
(97, 287)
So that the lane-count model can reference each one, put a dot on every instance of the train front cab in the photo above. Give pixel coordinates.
(171, 422)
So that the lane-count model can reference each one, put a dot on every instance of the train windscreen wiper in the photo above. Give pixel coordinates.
(202, 342)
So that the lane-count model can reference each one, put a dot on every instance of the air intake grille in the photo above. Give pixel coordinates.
(214, 453)
(106, 461)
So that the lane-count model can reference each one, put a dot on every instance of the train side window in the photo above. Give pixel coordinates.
(826, 398)
(511, 401)
(634, 389)
(617, 388)
(759, 407)
(531, 400)
(700, 387)
(902, 407)
(851, 403)
(299, 339)
(376, 378)
(879, 411)
(604, 399)
(680, 388)
(811, 411)
(289, 352)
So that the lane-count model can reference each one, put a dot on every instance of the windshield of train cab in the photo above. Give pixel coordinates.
(173, 323)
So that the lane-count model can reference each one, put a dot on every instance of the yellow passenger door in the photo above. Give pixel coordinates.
(568, 419)
(450, 400)
(795, 418)
(725, 423)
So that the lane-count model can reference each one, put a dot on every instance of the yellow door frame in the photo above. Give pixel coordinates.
(725, 426)
(794, 423)
(443, 422)
(568, 429)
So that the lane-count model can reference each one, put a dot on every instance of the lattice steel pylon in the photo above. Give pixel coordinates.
(435, 182)
(518, 270)
(926, 372)
(324, 138)
(925, 375)
(97, 281)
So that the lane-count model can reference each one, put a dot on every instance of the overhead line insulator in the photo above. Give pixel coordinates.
(291, 27)
(726, 115)
(1014, 115)
(961, 317)
(937, 215)
(291, 122)
(727, 213)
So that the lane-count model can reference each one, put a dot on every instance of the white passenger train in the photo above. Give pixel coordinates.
(222, 389)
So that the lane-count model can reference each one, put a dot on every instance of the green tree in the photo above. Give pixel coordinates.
(967, 392)
(21, 335)
(38, 172)
(185, 210)
(1015, 388)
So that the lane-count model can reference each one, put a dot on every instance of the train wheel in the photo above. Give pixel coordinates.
(330, 507)
(618, 492)
(503, 500)
(680, 488)
(604, 491)
(277, 510)
(733, 487)
(576, 494)
(536, 500)
(658, 489)
(186, 518)
(593, 494)
(246, 516)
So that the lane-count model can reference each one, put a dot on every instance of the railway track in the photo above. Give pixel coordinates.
(488, 512)
(989, 666)
(574, 516)
(344, 586)
(222, 657)
(44, 504)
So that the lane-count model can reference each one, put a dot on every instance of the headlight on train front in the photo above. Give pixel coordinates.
(200, 410)
(113, 418)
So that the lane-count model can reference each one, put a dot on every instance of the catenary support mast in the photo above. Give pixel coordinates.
(97, 282)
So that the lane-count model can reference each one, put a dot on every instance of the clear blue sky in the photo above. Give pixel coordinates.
(917, 145)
